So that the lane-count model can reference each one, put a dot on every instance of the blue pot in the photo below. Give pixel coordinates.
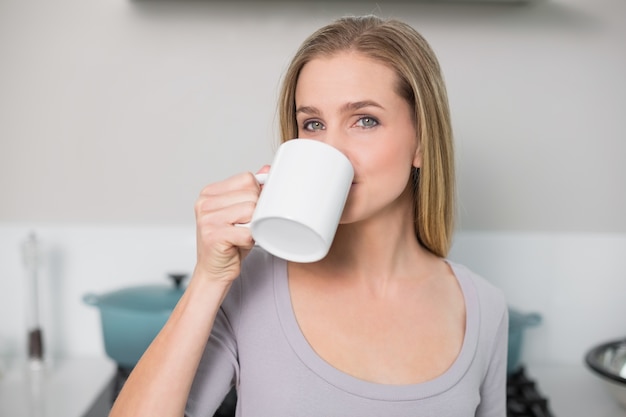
(132, 317)
(518, 322)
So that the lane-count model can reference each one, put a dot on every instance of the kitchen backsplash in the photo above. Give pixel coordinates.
(575, 281)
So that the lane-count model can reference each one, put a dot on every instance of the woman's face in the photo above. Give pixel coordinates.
(350, 101)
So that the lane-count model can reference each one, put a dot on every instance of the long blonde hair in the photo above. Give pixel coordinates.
(420, 82)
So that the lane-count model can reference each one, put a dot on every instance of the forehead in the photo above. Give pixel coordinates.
(346, 75)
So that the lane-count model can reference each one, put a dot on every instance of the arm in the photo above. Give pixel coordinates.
(161, 381)
(218, 370)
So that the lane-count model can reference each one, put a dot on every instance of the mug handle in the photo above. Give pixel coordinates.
(261, 178)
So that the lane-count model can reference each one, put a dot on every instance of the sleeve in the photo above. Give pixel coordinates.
(218, 370)
(493, 387)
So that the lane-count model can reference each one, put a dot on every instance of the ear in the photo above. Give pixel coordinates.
(417, 158)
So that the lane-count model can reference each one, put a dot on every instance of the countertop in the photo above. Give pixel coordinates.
(573, 391)
(69, 387)
(65, 388)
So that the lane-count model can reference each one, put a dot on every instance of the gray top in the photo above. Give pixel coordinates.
(257, 346)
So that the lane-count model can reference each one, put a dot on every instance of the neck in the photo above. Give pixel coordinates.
(377, 251)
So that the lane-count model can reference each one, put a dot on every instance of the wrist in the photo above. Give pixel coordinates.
(204, 281)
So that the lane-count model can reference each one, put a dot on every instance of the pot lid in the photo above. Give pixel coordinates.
(520, 319)
(147, 298)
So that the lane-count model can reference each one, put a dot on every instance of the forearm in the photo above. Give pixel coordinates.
(161, 380)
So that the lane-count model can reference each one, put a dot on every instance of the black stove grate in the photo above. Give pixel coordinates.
(523, 399)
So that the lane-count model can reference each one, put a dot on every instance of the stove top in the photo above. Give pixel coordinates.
(523, 398)
(102, 405)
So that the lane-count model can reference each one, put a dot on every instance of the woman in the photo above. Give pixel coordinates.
(383, 325)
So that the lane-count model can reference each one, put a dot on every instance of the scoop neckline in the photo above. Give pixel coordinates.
(368, 389)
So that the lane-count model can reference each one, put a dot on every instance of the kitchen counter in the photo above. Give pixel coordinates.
(64, 389)
(70, 386)
(573, 391)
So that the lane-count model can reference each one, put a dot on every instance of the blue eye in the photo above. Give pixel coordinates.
(367, 122)
(313, 125)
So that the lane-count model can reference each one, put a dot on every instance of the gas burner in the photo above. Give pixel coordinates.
(523, 399)
(119, 379)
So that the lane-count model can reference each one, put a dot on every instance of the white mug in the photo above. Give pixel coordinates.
(302, 200)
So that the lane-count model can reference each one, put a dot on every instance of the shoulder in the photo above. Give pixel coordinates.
(488, 294)
(255, 279)
(257, 267)
(487, 316)
(484, 303)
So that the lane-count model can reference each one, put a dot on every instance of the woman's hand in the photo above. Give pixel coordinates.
(221, 243)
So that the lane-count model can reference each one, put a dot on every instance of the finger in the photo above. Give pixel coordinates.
(264, 169)
(244, 180)
(218, 202)
(225, 240)
(240, 212)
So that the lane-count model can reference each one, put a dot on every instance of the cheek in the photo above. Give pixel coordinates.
(392, 163)
(382, 178)
(384, 174)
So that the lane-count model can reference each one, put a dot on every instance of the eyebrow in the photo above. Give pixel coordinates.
(351, 106)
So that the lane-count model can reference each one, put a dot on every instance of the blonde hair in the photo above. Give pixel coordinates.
(420, 82)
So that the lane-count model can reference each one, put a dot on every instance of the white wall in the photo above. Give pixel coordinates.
(114, 113)
(118, 111)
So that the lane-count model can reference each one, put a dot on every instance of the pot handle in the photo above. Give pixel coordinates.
(177, 279)
(91, 299)
(532, 319)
